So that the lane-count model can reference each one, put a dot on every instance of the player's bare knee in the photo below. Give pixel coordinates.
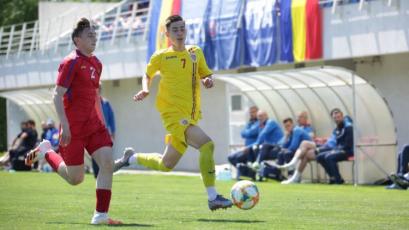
(106, 164)
(168, 166)
(76, 180)
(305, 145)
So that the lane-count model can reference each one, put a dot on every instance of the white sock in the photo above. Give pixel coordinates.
(44, 147)
(296, 176)
(211, 193)
(96, 213)
(292, 163)
(133, 159)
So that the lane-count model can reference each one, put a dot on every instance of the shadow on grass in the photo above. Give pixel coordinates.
(114, 226)
(230, 221)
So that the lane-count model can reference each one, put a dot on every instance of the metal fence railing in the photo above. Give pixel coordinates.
(19, 38)
(128, 19)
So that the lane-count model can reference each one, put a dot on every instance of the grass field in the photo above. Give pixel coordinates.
(43, 201)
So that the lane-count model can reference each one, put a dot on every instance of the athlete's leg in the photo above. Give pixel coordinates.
(198, 139)
(69, 162)
(99, 145)
(306, 153)
(304, 148)
(156, 161)
(103, 157)
(70, 168)
(309, 156)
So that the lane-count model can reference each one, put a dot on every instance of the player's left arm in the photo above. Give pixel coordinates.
(206, 75)
(100, 111)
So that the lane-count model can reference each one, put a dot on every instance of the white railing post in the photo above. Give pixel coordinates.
(131, 22)
(389, 3)
(147, 23)
(361, 4)
(334, 6)
(101, 29)
(10, 41)
(116, 21)
(33, 39)
(70, 43)
(1, 36)
(59, 33)
(23, 33)
(45, 45)
(355, 133)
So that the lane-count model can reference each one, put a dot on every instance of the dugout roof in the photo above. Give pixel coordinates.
(318, 90)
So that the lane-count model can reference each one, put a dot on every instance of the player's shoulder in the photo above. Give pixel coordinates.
(271, 122)
(193, 48)
(97, 60)
(299, 130)
(160, 52)
(71, 58)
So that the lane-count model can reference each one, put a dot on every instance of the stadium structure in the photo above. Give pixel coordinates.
(362, 69)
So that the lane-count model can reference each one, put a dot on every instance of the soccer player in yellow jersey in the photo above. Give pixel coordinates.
(182, 68)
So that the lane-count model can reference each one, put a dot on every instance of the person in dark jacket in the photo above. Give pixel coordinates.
(249, 134)
(327, 157)
(251, 130)
(343, 150)
(28, 141)
(400, 180)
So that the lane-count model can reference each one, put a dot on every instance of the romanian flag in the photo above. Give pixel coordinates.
(160, 10)
(301, 30)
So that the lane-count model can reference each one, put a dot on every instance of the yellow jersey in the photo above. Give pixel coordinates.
(178, 98)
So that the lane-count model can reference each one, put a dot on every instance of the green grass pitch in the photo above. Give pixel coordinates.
(44, 201)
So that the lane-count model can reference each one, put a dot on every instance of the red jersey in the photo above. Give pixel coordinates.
(80, 75)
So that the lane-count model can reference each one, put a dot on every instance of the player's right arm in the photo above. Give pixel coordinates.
(66, 73)
(151, 69)
(59, 92)
(146, 81)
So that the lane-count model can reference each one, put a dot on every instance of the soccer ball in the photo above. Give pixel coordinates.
(244, 194)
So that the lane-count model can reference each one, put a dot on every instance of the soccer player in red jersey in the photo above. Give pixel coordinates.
(76, 100)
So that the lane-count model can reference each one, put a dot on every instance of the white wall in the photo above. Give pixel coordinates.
(374, 30)
(391, 78)
(139, 124)
(121, 60)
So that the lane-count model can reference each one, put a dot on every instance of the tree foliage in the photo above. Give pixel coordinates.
(18, 11)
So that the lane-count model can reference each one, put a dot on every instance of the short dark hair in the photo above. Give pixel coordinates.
(335, 110)
(80, 26)
(288, 119)
(31, 122)
(172, 19)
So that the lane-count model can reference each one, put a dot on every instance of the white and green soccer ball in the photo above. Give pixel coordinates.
(244, 194)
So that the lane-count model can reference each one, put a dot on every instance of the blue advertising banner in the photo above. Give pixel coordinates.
(153, 27)
(194, 12)
(260, 33)
(286, 30)
(223, 33)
